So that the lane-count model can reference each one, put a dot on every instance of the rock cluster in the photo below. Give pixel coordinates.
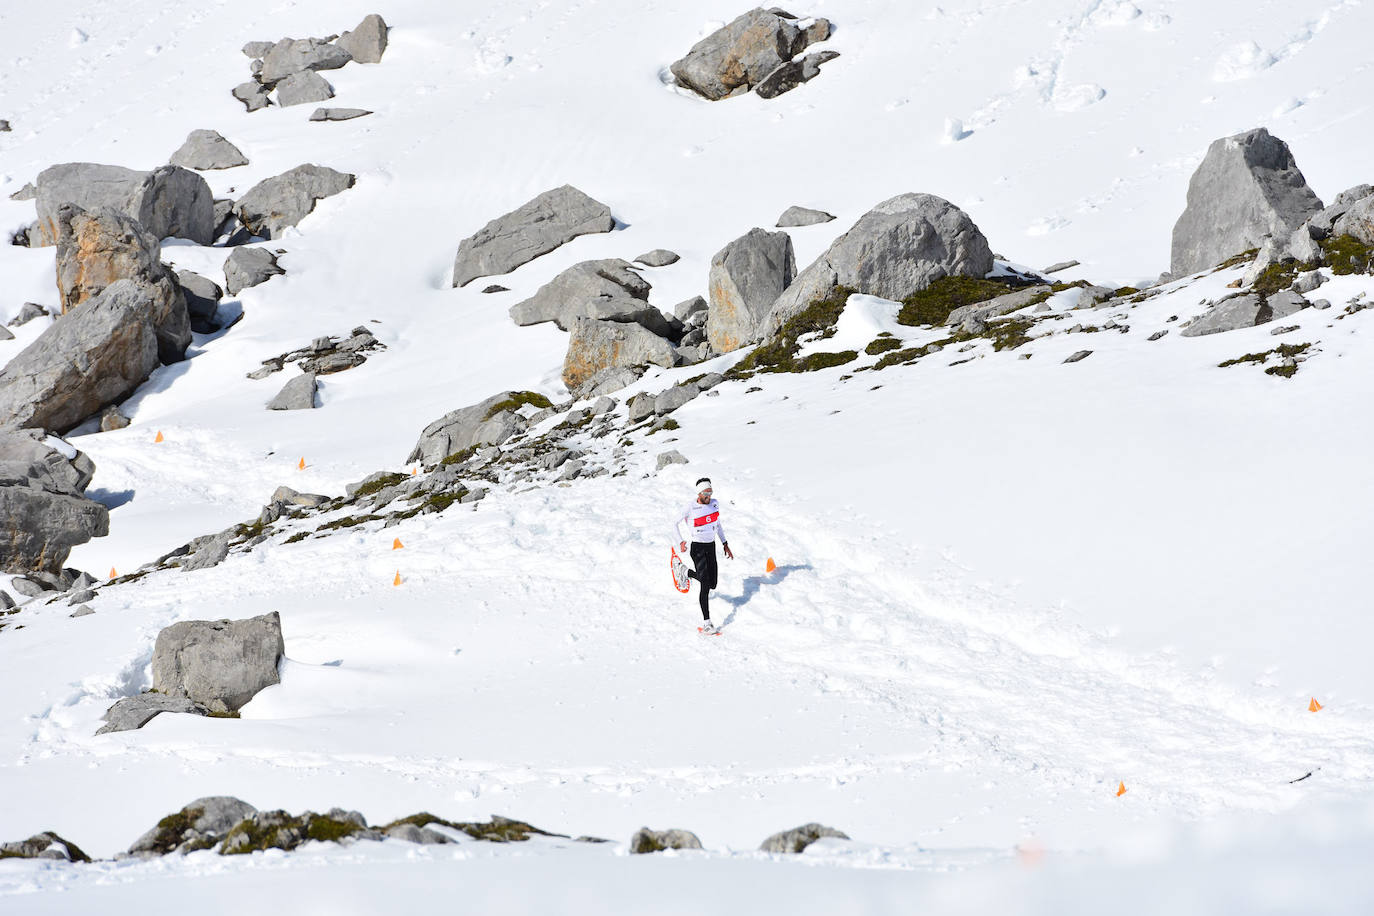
(757, 51)
(324, 356)
(290, 67)
(169, 201)
(43, 509)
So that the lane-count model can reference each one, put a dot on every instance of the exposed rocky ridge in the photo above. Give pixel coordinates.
(168, 201)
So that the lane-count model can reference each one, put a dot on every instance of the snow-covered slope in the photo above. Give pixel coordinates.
(1004, 586)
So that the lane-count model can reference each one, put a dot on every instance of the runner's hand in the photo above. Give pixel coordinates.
(728, 552)
(682, 547)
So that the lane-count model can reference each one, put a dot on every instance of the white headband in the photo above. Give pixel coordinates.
(704, 485)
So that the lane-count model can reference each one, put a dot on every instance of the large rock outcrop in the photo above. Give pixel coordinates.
(1357, 220)
(284, 200)
(89, 358)
(169, 201)
(96, 249)
(483, 423)
(199, 825)
(42, 510)
(534, 229)
(595, 345)
(220, 664)
(898, 248)
(1247, 191)
(607, 289)
(747, 276)
(745, 52)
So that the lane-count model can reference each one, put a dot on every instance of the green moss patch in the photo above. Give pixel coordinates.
(381, 483)
(1236, 260)
(1345, 254)
(779, 352)
(348, 521)
(933, 304)
(460, 456)
(516, 401)
(1283, 352)
(816, 361)
(883, 345)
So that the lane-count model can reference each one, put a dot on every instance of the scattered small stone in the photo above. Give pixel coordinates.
(297, 394)
(205, 150)
(670, 457)
(1158, 334)
(252, 94)
(1283, 330)
(496, 288)
(27, 192)
(1321, 304)
(84, 611)
(659, 257)
(300, 88)
(28, 312)
(1056, 268)
(798, 838)
(338, 114)
(1081, 354)
(247, 267)
(4, 127)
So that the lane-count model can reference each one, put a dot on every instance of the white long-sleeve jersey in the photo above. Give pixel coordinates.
(703, 520)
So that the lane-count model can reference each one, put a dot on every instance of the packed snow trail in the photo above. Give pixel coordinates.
(536, 661)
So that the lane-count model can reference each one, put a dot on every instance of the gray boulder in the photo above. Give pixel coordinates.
(802, 216)
(646, 840)
(291, 56)
(971, 318)
(467, 427)
(27, 192)
(1245, 310)
(46, 845)
(202, 297)
(252, 94)
(669, 458)
(793, 73)
(6, 333)
(303, 87)
(297, 394)
(284, 200)
(534, 229)
(199, 825)
(1247, 190)
(207, 150)
(212, 551)
(1079, 355)
(675, 397)
(220, 664)
(91, 357)
(247, 267)
(367, 43)
(135, 712)
(257, 50)
(96, 249)
(741, 54)
(641, 406)
(1357, 221)
(594, 345)
(338, 114)
(43, 513)
(28, 312)
(413, 834)
(659, 257)
(608, 290)
(898, 248)
(798, 838)
(169, 201)
(609, 380)
(747, 276)
(689, 310)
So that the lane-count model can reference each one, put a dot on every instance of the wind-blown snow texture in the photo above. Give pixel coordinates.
(1003, 586)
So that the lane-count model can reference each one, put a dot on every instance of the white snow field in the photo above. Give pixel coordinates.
(1004, 586)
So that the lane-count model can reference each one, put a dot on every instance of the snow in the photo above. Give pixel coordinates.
(1003, 586)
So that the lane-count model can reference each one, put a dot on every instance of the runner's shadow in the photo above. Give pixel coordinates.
(752, 584)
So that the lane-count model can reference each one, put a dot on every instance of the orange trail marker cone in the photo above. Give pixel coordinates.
(396, 544)
(301, 466)
(1120, 789)
(770, 566)
(113, 574)
(1314, 705)
(414, 471)
(159, 436)
(397, 580)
